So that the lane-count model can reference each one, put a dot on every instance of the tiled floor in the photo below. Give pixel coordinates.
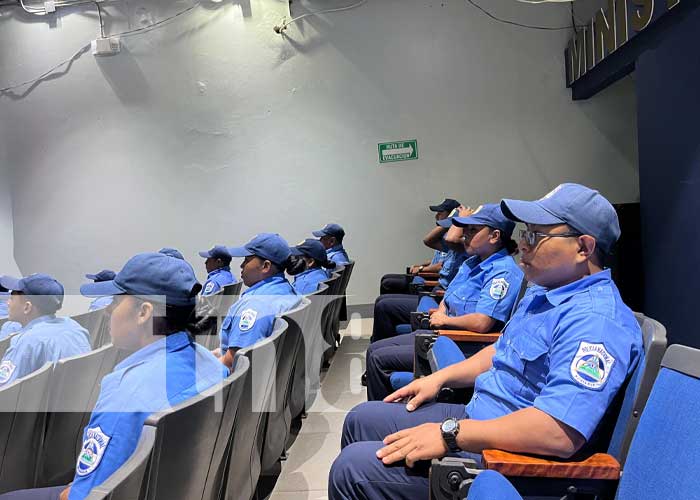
(305, 473)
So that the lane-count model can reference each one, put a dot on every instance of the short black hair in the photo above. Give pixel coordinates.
(169, 319)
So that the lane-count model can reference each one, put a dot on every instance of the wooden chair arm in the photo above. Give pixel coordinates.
(599, 466)
(431, 283)
(439, 293)
(467, 336)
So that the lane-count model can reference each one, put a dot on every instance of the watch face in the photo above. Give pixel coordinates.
(449, 425)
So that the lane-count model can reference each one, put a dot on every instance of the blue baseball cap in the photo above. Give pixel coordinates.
(269, 246)
(172, 252)
(104, 275)
(314, 249)
(584, 209)
(446, 222)
(46, 291)
(447, 205)
(490, 215)
(152, 273)
(217, 252)
(330, 230)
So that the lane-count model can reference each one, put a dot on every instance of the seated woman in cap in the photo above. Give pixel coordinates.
(43, 337)
(531, 385)
(218, 265)
(480, 298)
(251, 318)
(311, 266)
(166, 366)
(101, 302)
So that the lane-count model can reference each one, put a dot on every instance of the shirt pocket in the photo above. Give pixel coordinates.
(531, 362)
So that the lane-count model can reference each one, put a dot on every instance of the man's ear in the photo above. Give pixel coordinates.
(587, 246)
(28, 307)
(145, 313)
(495, 236)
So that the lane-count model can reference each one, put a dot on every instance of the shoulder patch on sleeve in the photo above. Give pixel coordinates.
(247, 320)
(499, 288)
(209, 287)
(7, 368)
(591, 365)
(92, 451)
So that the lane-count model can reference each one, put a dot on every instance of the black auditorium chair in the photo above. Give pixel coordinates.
(191, 442)
(328, 319)
(22, 419)
(74, 382)
(126, 483)
(246, 447)
(211, 310)
(5, 344)
(97, 324)
(307, 368)
(343, 316)
(585, 474)
(279, 418)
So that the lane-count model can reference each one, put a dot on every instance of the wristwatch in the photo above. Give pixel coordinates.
(420, 269)
(449, 429)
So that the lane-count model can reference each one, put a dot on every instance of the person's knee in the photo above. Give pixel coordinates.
(357, 421)
(350, 468)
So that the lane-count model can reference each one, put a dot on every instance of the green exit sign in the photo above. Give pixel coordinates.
(398, 151)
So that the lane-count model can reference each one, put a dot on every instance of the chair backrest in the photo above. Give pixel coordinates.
(347, 271)
(22, 419)
(664, 456)
(232, 289)
(73, 383)
(127, 481)
(638, 386)
(186, 439)
(5, 344)
(244, 464)
(279, 419)
(97, 324)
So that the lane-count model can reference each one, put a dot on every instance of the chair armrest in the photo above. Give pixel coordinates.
(431, 283)
(472, 337)
(422, 342)
(597, 466)
(439, 293)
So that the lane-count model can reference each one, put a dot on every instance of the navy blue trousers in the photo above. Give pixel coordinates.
(384, 357)
(357, 473)
(50, 493)
(390, 311)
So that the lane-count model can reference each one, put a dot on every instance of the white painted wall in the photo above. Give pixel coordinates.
(214, 128)
(7, 259)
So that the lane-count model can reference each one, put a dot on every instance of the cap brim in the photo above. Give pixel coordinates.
(204, 254)
(466, 221)
(10, 283)
(319, 234)
(529, 212)
(445, 222)
(239, 251)
(437, 208)
(91, 276)
(101, 289)
(296, 251)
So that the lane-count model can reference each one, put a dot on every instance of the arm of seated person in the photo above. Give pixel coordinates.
(64, 494)
(228, 358)
(434, 238)
(459, 375)
(475, 322)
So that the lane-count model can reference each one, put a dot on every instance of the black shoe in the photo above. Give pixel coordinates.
(363, 380)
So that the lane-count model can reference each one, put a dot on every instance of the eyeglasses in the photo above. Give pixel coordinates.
(532, 238)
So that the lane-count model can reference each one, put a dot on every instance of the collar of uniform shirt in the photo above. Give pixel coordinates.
(336, 248)
(38, 320)
(495, 256)
(277, 277)
(220, 269)
(559, 295)
(171, 343)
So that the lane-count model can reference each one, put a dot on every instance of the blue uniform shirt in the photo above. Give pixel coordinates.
(42, 340)
(154, 378)
(338, 255)
(438, 256)
(307, 281)
(8, 328)
(566, 351)
(450, 265)
(217, 279)
(100, 303)
(490, 287)
(3, 304)
(251, 318)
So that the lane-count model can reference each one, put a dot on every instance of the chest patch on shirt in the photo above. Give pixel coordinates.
(499, 288)
(92, 451)
(591, 365)
(209, 287)
(7, 368)
(247, 320)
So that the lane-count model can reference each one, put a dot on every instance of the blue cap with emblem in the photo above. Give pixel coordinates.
(46, 291)
(172, 252)
(314, 249)
(330, 230)
(153, 274)
(104, 275)
(489, 214)
(269, 246)
(217, 252)
(584, 209)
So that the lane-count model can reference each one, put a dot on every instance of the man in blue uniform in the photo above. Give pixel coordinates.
(218, 266)
(397, 283)
(314, 268)
(166, 368)
(542, 388)
(8, 327)
(101, 302)
(331, 236)
(480, 298)
(44, 337)
(251, 318)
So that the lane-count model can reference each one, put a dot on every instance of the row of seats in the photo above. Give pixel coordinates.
(213, 446)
